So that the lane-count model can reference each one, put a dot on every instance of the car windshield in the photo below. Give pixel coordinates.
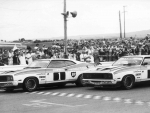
(39, 64)
(128, 61)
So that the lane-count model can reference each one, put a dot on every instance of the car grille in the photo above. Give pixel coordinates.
(3, 78)
(97, 76)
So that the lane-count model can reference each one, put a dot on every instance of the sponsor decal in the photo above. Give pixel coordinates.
(137, 71)
(73, 74)
(127, 69)
(138, 74)
(42, 77)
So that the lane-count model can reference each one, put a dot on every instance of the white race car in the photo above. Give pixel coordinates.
(45, 72)
(125, 72)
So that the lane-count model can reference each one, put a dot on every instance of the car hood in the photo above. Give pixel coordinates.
(33, 71)
(115, 68)
(23, 71)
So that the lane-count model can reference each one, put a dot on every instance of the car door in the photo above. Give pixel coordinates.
(55, 71)
(145, 68)
(69, 75)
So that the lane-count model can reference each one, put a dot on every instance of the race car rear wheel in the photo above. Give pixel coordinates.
(30, 84)
(79, 81)
(128, 82)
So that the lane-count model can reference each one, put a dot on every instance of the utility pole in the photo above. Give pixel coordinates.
(124, 21)
(65, 31)
(120, 26)
(66, 14)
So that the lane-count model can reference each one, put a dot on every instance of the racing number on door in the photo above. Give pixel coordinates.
(59, 76)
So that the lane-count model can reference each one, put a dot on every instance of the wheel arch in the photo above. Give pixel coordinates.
(79, 81)
(128, 75)
(79, 76)
(32, 77)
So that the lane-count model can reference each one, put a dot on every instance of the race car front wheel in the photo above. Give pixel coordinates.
(30, 84)
(128, 82)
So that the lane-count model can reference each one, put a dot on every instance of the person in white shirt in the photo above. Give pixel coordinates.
(10, 59)
(83, 56)
(29, 57)
(90, 58)
(22, 59)
(41, 52)
(44, 48)
(36, 47)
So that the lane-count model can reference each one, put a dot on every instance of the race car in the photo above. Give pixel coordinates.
(44, 72)
(125, 72)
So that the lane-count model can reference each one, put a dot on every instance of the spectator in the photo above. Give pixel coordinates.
(36, 47)
(5, 57)
(22, 58)
(96, 57)
(29, 58)
(10, 59)
(16, 60)
(83, 56)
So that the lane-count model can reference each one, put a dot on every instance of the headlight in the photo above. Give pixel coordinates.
(9, 78)
(108, 76)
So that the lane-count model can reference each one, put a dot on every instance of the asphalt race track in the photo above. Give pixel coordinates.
(72, 99)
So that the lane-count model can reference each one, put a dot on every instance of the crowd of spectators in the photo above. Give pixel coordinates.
(88, 50)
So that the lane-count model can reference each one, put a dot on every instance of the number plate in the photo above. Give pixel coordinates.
(2, 85)
(97, 83)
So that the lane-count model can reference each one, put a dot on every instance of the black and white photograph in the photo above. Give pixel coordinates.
(74, 56)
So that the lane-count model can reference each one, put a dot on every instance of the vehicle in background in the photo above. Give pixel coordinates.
(11, 46)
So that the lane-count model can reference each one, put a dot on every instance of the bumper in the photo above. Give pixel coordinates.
(91, 82)
(8, 84)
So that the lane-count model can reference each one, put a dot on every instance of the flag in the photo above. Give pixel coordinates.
(15, 47)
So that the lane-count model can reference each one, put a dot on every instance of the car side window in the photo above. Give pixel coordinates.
(146, 61)
(69, 63)
(56, 64)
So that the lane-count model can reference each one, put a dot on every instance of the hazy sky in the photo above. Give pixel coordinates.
(37, 19)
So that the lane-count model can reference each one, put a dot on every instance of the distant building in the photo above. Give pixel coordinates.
(9, 45)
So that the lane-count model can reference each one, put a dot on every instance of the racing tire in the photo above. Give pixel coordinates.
(128, 82)
(9, 89)
(80, 82)
(30, 84)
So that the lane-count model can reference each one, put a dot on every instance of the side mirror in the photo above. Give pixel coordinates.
(66, 69)
(145, 63)
(87, 66)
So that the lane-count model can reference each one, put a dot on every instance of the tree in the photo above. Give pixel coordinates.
(22, 39)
